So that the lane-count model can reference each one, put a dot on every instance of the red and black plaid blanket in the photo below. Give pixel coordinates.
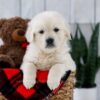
(12, 88)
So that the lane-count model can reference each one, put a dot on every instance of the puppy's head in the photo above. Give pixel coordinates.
(48, 31)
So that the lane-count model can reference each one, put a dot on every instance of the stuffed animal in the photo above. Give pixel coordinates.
(12, 39)
(12, 42)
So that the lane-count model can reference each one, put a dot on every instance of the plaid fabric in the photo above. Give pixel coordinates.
(12, 88)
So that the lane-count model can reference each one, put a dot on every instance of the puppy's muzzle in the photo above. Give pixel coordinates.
(49, 42)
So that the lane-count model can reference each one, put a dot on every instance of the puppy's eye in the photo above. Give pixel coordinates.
(56, 29)
(41, 31)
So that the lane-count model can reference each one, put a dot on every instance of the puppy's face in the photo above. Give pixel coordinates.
(48, 31)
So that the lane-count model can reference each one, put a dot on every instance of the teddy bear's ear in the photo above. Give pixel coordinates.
(2, 21)
(29, 34)
(19, 35)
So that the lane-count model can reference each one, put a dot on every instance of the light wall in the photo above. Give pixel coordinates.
(80, 11)
(75, 11)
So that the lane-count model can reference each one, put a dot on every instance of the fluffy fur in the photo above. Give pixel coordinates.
(39, 56)
(11, 51)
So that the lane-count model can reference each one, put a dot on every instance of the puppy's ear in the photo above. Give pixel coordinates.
(68, 33)
(29, 34)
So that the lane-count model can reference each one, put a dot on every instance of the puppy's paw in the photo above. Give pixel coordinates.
(29, 82)
(53, 82)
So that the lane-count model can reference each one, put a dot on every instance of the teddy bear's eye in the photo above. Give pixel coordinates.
(41, 31)
(56, 29)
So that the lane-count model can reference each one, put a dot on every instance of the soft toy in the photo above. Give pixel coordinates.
(12, 44)
(12, 40)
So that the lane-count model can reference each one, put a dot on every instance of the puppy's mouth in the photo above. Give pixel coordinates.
(50, 46)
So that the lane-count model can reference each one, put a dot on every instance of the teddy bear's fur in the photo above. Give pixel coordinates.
(11, 39)
(12, 36)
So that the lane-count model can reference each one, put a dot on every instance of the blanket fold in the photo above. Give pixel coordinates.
(12, 88)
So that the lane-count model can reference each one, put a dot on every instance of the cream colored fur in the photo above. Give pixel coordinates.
(57, 59)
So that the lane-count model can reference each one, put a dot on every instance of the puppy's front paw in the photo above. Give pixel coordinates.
(29, 82)
(53, 82)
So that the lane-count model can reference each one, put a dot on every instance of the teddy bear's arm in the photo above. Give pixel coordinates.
(16, 54)
(5, 60)
(3, 49)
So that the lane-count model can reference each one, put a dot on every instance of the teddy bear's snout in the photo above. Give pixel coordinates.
(20, 32)
(19, 35)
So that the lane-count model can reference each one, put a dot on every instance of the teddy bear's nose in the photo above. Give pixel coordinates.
(20, 32)
(18, 35)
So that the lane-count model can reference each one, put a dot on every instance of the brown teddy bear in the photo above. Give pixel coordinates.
(12, 38)
(12, 42)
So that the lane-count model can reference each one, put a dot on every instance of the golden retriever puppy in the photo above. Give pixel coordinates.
(48, 49)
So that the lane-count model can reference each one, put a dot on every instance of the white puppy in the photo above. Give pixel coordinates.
(48, 49)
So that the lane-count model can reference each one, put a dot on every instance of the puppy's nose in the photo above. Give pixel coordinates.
(50, 41)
